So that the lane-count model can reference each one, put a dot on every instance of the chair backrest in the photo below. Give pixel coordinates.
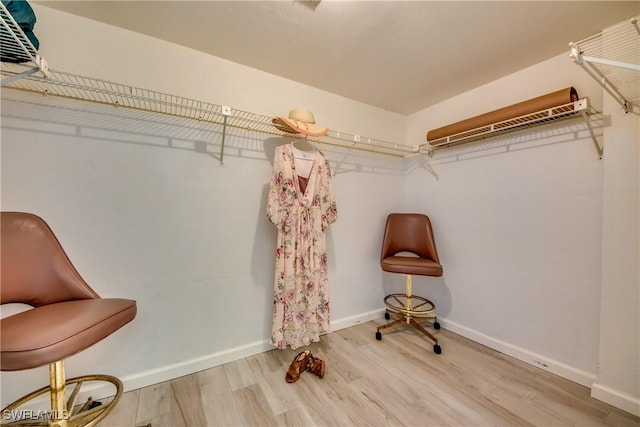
(409, 232)
(34, 269)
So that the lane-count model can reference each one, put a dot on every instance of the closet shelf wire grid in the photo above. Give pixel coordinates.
(14, 42)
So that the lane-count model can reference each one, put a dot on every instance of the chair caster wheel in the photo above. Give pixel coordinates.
(437, 349)
(387, 315)
(378, 336)
(436, 325)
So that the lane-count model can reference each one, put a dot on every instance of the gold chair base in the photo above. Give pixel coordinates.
(409, 307)
(415, 324)
(64, 414)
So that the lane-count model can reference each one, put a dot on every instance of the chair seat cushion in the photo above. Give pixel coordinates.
(54, 332)
(411, 265)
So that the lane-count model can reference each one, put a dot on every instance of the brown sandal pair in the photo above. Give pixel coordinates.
(304, 361)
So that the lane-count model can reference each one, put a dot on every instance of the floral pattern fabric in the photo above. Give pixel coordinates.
(301, 297)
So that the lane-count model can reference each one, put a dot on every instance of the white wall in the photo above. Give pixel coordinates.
(618, 381)
(519, 226)
(145, 211)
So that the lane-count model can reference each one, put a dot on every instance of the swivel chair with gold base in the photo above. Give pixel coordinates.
(67, 317)
(410, 233)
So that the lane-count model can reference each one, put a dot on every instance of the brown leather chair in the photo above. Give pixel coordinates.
(412, 233)
(67, 317)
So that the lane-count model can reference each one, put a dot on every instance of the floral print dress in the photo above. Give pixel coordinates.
(301, 294)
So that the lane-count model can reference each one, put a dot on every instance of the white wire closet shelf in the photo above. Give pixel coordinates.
(576, 109)
(612, 58)
(120, 95)
(33, 74)
(105, 92)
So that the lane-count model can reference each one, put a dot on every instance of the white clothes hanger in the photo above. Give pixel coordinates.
(302, 154)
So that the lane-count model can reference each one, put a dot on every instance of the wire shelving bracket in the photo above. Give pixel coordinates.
(14, 43)
(612, 58)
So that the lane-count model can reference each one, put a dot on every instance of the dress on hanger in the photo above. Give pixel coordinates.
(301, 215)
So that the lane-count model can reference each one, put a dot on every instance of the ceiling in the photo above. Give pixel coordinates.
(401, 56)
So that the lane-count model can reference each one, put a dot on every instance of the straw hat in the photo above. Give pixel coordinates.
(300, 121)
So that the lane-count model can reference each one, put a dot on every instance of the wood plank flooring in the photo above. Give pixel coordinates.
(398, 381)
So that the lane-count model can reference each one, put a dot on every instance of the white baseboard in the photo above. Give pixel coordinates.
(176, 370)
(576, 375)
(613, 397)
(168, 372)
(347, 322)
(99, 391)
(620, 400)
(587, 379)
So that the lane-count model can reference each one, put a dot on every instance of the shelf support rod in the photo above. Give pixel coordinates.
(347, 154)
(226, 112)
(618, 64)
(599, 147)
(428, 166)
(224, 134)
(19, 76)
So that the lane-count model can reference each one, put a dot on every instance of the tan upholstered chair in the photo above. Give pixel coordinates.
(67, 317)
(410, 233)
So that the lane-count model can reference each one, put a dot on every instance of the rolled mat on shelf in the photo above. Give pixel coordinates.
(550, 100)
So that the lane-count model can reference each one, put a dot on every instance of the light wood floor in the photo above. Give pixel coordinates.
(394, 382)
